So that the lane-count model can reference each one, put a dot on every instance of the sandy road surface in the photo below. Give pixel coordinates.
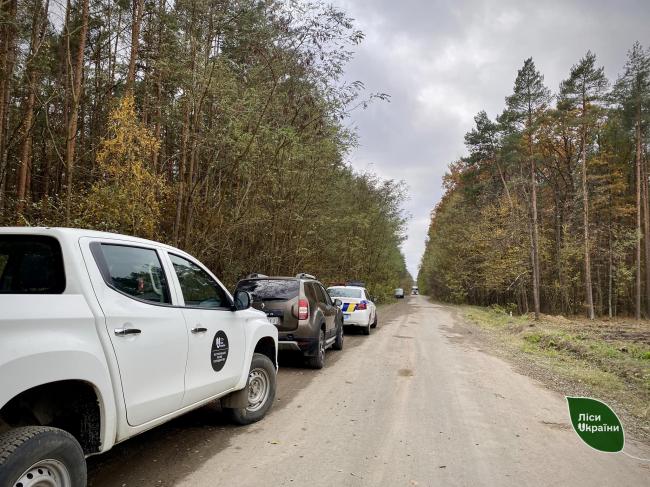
(416, 403)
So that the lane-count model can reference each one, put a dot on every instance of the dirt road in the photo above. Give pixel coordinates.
(416, 403)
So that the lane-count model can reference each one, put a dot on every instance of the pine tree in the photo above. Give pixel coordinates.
(75, 91)
(524, 108)
(632, 92)
(581, 94)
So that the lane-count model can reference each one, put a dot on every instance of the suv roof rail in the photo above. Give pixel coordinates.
(304, 275)
(254, 275)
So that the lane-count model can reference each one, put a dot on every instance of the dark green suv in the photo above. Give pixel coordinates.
(308, 319)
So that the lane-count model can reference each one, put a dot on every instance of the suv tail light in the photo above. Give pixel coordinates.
(303, 309)
(362, 305)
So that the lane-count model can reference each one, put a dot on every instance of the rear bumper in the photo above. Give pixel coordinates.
(357, 318)
(289, 342)
(289, 345)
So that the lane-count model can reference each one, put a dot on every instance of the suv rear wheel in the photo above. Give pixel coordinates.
(318, 362)
(261, 392)
(40, 455)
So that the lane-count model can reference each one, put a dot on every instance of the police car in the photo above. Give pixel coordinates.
(358, 307)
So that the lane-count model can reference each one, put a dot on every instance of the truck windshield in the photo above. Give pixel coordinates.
(270, 289)
(31, 264)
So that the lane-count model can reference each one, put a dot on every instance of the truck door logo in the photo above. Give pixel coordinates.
(219, 352)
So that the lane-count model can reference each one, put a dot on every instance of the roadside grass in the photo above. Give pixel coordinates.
(609, 360)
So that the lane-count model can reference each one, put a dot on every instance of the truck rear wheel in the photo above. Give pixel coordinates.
(40, 455)
(261, 392)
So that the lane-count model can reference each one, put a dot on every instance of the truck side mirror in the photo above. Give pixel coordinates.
(243, 300)
(338, 303)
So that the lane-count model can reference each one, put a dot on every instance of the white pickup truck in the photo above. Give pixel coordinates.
(104, 336)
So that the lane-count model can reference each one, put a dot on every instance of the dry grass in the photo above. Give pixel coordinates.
(608, 359)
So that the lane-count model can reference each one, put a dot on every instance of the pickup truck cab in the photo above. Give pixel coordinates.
(104, 336)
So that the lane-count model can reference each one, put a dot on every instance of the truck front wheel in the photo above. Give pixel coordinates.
(261, 391)
(40, 455)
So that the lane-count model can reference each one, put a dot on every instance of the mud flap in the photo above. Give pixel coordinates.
(236, 400)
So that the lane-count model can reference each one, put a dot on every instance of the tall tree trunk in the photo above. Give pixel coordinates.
(46, 168)
(585, 223)
(188, 141)
(158, 82)
(610, 271)
(646, 232)
(7, 62)
(25, 153)
(181, 174)
(98, 95)
(137, 9)
(157, 125)
(64, 81)
(535, 233)
(559, 238)
(38, 31)
(637, 309)
(71, 132)
(112, 58)
(189, 204)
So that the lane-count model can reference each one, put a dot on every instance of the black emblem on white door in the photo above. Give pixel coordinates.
(219, 352)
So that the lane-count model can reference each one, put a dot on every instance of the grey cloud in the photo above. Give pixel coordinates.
(443, 61)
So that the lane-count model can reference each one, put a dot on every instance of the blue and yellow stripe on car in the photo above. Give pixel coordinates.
(349, 307)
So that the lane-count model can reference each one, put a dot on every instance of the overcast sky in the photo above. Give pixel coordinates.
(444, 61)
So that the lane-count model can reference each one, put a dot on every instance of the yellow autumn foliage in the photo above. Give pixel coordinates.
(127, 197)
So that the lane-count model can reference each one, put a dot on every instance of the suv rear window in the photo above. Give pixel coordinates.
(343, 292)
(31, 264)
(270, 289)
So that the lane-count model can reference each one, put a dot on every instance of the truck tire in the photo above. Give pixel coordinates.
(261, 392)
(36, 455)
(338, 343)
(318, 362)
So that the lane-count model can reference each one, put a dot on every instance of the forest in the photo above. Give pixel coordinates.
(218, 126)
(549, 211)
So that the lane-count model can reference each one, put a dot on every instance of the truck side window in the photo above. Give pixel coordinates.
(31, 264)
(199, 289)
(134, 271)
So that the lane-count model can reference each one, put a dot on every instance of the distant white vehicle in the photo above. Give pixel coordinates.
(399, 293)
(357, 306)
(415, 290)
(104, 336)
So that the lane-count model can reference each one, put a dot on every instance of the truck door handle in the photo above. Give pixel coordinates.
(198, 329)
(120, 332)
